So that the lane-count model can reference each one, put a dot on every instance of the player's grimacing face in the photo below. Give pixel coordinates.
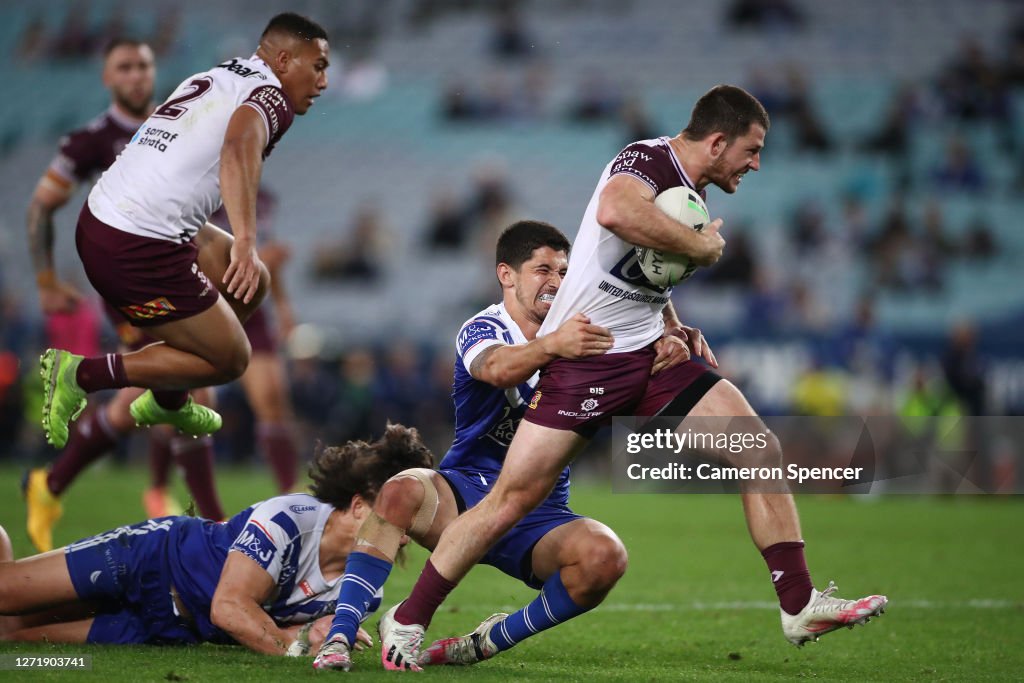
(306, 76)
(129, 72)
(539, 278)
(739, 157)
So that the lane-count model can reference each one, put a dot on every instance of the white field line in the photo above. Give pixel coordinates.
(766, 605)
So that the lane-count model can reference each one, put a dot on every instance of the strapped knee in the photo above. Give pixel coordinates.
(428, 508)
(386, 537)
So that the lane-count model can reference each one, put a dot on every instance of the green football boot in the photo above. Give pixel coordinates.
(192, 418)
(65, 400)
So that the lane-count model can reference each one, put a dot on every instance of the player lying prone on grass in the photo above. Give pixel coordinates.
(255, 579)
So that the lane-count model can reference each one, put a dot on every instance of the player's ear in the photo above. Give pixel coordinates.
(505, 274)
(359, 507)
(717, 142)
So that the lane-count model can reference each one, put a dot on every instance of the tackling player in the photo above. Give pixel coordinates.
(128, 73)
(254, 579)
(575, 561)
(721, 143)
(149, 251)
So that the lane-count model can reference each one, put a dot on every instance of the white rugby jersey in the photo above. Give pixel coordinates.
(283, 535)
(166, 182)
(604, 281)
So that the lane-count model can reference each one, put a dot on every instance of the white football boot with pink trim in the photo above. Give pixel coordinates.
(824, 614)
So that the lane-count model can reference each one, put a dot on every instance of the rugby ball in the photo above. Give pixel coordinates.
(661, 268)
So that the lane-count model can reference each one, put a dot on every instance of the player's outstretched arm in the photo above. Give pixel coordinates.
(626, 208)
(50, 194)
(236, 607)
(511, 364)
(241, 164)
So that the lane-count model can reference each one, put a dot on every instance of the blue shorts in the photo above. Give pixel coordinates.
(513, 553)
(125, 572)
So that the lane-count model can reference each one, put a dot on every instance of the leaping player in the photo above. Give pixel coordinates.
(129, 73)
(149, 251)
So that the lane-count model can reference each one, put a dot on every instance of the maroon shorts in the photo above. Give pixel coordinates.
(584, 395)
(257, 329)
(149, 281)
(129, 336)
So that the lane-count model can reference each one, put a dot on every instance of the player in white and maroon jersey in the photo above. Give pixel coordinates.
(720, 144)
(149, 251)
(129, 74)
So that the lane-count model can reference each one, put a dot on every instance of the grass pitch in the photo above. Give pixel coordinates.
(696, 602)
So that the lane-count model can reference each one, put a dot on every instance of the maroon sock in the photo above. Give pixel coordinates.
(427, 595)
(789, 574)
(195, 457)
(159, 457)
(279, 449)
(171, 399)
(91, 438)
(101, 372)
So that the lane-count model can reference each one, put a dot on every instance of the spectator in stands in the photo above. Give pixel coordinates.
(509, 37)
(980, 240)
(168, 26)
(75, 40)
(809, 129)
(936, 242)
(32, 43)
(888, 247)
(765, 14)
(1013, 65)
(960, 170)
(854, 225)
(892, 136)
(447, 226)
(595, 99)
(738, 264)
(809, 229)
(359, 256)
(636, 121)
(399, 385)
(458, 102)
(352, 410)
(972, 86)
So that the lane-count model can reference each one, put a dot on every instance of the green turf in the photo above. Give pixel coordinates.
(695, 602)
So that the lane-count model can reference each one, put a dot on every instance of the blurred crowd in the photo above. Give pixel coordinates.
(850, 364)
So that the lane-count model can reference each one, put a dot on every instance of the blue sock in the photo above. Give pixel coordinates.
(551, 607)
(364, 577)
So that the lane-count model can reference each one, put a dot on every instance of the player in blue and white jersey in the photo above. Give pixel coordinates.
(255, 579)
(575, 561)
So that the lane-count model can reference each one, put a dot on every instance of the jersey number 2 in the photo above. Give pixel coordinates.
(173, 109)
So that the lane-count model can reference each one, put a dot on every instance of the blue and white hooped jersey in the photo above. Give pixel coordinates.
(280, 534)
(486, 417)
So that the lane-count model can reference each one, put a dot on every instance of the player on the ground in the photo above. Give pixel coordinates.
(149, 251)
(575, 561)
(253, 579)
(129, 74)
(720, 144)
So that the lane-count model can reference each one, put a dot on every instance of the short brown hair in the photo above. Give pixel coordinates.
(728, 110)
(519, 240)
(340, 472)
